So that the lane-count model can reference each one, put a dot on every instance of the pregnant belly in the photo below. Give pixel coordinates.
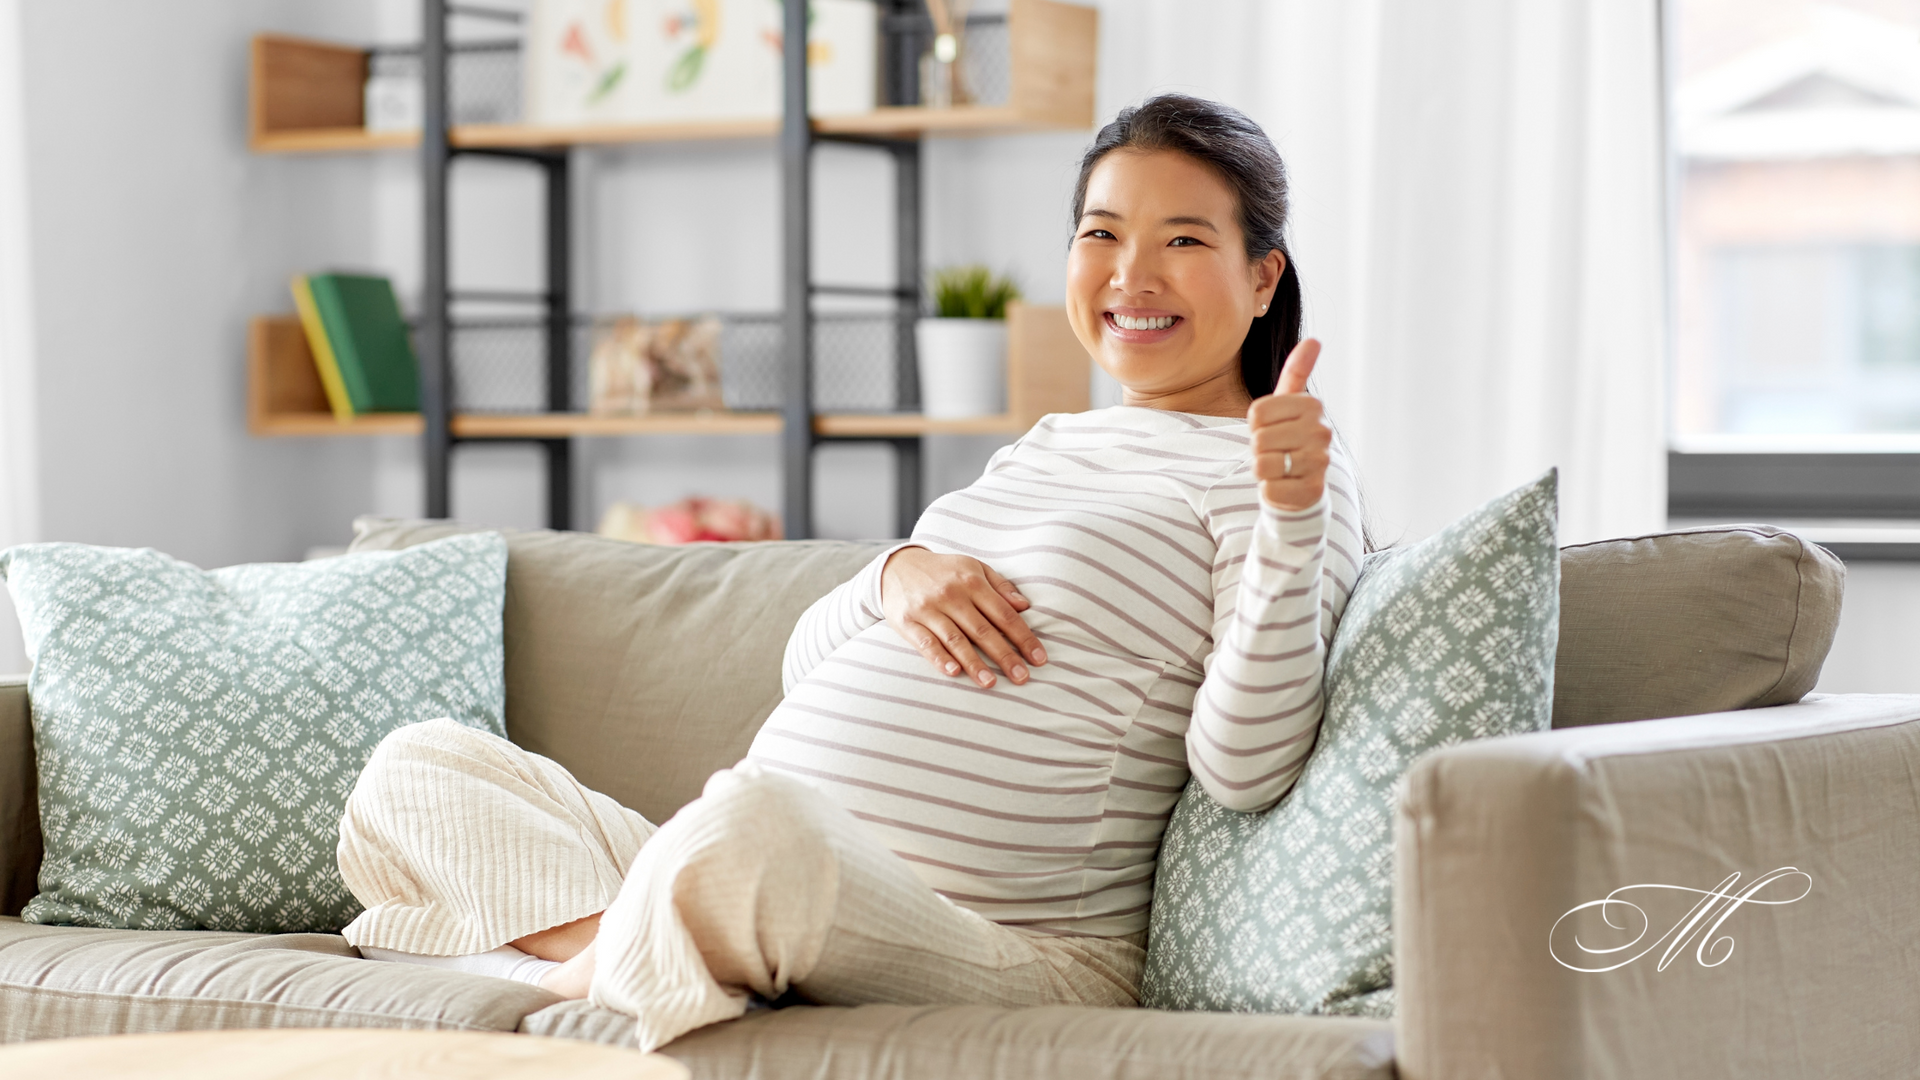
(995, 796)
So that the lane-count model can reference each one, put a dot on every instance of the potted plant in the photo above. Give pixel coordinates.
(963, 348)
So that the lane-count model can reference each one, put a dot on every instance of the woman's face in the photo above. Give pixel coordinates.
(1159, 288)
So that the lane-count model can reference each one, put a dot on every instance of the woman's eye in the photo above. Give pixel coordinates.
(1182, 241)
(1096, 234)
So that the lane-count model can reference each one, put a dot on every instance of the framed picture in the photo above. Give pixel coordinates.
(650, 61)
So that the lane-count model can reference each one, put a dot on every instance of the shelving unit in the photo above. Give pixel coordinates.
(306, 97)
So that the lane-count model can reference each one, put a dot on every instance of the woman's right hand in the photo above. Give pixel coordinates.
(949, 606)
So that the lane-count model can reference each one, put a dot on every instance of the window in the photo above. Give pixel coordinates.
(1796, 146)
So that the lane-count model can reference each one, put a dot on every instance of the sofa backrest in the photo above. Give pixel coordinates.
(643, 669)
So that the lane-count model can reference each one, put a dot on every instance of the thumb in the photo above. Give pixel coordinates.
(1299, 365)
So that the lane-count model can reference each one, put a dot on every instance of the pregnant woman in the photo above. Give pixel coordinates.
(961, 798)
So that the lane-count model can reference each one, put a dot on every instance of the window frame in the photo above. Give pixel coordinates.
(1818, 483)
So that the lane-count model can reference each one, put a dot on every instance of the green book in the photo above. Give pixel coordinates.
(370, 341)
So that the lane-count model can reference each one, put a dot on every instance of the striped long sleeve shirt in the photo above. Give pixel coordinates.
(1186, 625)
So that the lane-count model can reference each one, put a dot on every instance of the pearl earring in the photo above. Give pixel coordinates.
(1263, 309)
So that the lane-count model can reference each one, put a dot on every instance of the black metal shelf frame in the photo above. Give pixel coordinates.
(906, 29)
(437, 155)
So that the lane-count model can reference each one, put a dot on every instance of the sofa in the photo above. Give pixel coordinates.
(1685, 748)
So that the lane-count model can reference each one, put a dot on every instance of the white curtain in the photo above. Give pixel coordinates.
(19, 490)
(1478, 220)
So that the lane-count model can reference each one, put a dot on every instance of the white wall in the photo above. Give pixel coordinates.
(1877, 649)
(153, 234)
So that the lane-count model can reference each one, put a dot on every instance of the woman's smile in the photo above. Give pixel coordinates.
(1142, 326)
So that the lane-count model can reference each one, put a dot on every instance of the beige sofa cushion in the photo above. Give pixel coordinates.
(63, 981)
(1695, 621)
(644, 669)
(974, 1042)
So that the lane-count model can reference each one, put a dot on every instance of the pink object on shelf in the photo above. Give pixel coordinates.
(691, 520)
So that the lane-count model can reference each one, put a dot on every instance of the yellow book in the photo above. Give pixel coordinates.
(322, 350)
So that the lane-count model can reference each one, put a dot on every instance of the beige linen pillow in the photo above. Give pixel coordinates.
(1692, 621)
(643, 669)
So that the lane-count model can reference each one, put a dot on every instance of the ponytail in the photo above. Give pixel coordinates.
(1271, 338)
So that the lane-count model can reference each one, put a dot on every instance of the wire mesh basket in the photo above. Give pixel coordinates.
(855, 363)
(986, 63)
(499, 365)
(484, 84)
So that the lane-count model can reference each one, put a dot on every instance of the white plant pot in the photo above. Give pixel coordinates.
(963, 367)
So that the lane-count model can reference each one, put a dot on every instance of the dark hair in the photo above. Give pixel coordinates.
(1223, 139)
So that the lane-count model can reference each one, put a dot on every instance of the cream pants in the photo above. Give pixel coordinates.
(458, 842)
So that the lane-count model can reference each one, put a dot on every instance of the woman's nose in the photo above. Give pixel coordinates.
(1135, 270)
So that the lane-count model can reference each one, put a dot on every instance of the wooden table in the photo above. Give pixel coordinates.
(330, 1054)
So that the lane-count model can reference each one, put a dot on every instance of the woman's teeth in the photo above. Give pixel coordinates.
(1128, 322)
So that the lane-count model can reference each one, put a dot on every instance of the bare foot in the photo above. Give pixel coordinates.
(571, 979)
(563, 942)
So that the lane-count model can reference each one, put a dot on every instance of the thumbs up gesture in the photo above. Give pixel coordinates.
(1291, 436)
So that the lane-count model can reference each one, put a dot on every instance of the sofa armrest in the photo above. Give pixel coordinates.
(19, 798)
(1817, 973)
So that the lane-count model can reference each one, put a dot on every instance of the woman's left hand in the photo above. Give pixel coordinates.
(1290, 436)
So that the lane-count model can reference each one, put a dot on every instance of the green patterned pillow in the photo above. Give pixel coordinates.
(1448, 639)
(198, 732)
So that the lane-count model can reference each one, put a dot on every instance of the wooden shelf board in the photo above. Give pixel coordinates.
(568, 425)
(564, 425)
(889, 424)
(332, 140)
(523, 425)
(505, 136)
(918, 120)
(325, 424)
(536, 135)
(884, 122)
